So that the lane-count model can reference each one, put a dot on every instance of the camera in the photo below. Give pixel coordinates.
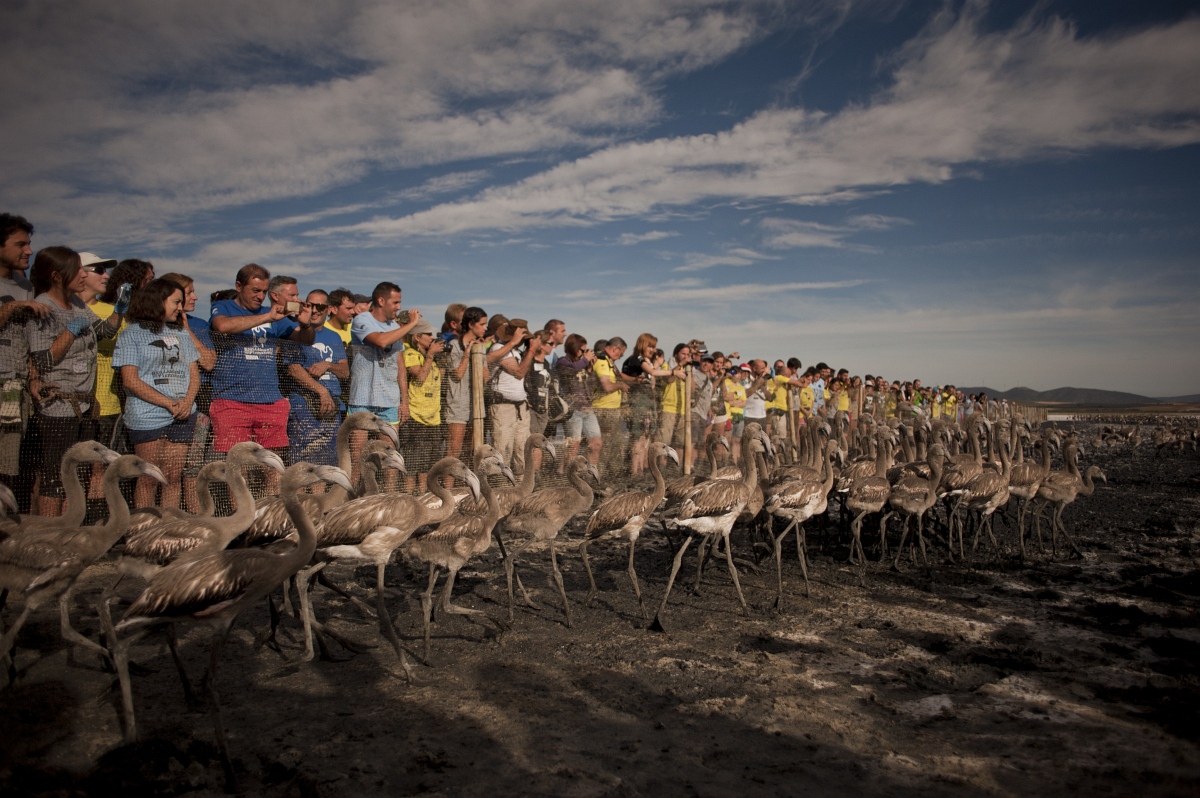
(292, 307)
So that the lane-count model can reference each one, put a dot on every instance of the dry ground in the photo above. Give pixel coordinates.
(1057, 676)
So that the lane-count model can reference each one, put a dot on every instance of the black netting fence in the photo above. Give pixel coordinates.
(182, 397)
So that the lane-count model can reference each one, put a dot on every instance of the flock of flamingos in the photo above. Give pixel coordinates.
(942, 483)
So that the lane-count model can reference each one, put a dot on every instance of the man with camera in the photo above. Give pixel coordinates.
(247, 404)
(509, 406)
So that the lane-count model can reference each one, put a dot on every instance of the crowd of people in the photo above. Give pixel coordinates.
(96, 349)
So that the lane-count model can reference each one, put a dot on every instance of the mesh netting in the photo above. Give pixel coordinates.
(293, 397)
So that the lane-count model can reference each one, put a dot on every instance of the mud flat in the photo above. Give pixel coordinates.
(1057, 676)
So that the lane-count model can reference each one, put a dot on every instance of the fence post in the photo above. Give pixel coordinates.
(793, 415)
(478, 377)
(687, 419)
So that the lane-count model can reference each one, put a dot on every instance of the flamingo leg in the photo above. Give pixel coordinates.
(903, 538)
(385, 621)
(10, 638)
(587, 566)
(68, 632)
(520, 585)
(558, 580)
(734, 574)
(510, 569)
(637, 590)
(119, 653)
(657, 623)
(427, 605)
(306, 610)
(188, 694)
(802, 548)
(214, 705)
(883, 534)
(457, 609)
(324, 581)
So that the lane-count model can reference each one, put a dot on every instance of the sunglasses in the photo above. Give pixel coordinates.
(317, 306)
(96, 269)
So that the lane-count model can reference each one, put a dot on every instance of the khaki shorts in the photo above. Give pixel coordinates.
(10, 441)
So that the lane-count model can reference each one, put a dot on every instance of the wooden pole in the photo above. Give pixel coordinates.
(687, 420)
(793, 412)
(859, 402)
(478, 378)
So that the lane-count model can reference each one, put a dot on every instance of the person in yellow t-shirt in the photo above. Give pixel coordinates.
(673, 404)
(422, 438)
(807, 398)
(735, 408)
(840, 396)
(341, 314)
(606, 402)
(950, 403)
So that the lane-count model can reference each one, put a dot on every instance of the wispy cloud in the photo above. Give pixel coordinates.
(958, 96)
(628, 239)
(238, 104)
(792, 233)
(735, 256)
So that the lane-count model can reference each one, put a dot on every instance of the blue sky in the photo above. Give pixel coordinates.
(980, 193)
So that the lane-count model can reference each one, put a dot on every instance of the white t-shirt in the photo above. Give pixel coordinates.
(506, 384)
(756, 404)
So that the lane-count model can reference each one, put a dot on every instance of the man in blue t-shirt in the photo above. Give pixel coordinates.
(314, 389)
(247, 404)
(378, 379)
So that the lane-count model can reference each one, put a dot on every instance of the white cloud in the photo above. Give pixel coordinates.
(215, 107)
(792, 233)
(628, 239)
(959, 96)
(735, 256)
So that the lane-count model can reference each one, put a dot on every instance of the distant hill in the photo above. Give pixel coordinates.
(1180, 400)
(1074, 396)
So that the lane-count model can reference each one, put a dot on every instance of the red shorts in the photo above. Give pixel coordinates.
(235, 422)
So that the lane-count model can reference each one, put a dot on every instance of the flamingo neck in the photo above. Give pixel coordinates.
(76, 502)
(434, 480)
(243, 517)
(660, 485)
(307, 533)
(581, 485)
(206, 506)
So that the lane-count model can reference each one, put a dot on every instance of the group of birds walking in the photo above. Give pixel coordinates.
(207, 569)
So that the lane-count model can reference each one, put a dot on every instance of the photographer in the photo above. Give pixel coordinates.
(247, 404)
(422, 438)
(574, 370)
(509, 411)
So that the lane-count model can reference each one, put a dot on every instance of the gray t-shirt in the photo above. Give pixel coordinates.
(458, 392)
(76, 372)
(14, 336)
(702, 390)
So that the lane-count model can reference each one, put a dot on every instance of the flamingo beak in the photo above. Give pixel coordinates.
(472, 483)
(674, 455)
(395, 461)
(387, 430)
(594, 472)
(770, 447)
(508, 474)
(724, 442)
(108, 456)
(8, 499)
(268, 458)
(335, 476)
(151, 470)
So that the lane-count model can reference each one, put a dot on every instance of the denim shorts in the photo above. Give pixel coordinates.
(582, 423)
(175, 432)
(390, 414)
